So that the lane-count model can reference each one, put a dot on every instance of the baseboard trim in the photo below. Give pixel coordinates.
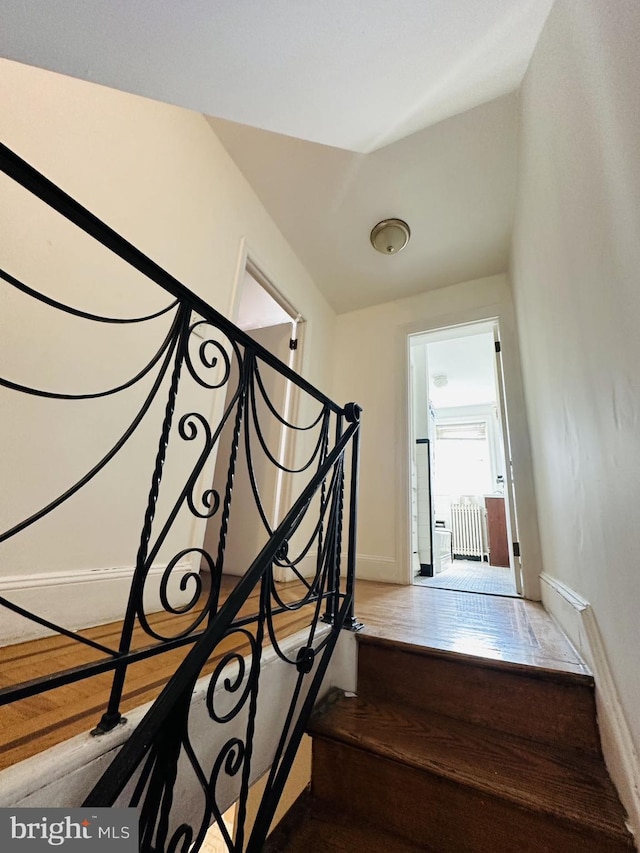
(368, 567)
(372, 568)
(307, 567)
(576, 617)
(82, 598)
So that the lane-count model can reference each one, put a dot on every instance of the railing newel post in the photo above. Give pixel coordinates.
(352, 414)
(333, 599)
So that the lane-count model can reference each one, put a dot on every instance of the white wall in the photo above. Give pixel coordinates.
(575, 268)
(371, 367)
(160, 177)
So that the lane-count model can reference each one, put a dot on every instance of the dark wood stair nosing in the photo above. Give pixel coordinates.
(547, 706)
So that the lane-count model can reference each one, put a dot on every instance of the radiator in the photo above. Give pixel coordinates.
(467, 526)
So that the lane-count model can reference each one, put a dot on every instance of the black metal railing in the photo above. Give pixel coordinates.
(200, 357)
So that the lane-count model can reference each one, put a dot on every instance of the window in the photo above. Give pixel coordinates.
(462, 459)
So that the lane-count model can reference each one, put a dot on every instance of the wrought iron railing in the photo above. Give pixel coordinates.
(201, 349)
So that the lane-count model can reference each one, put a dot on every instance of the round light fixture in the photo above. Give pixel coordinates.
(390, 236)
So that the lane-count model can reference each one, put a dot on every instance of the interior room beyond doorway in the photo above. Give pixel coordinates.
(461, 524)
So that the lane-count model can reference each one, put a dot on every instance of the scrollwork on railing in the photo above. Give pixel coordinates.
(175, 754)
(226, 448)
(191, 578)
(236, 678)
(207, 358)
(166, 349)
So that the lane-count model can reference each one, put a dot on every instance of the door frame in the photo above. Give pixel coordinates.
(281, 491)
(515, 559)
(249, 262)
(291, 397)
(518, 432)
(500, 440)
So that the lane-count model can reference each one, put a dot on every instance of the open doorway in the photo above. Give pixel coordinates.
(267, 317)
(464, 529)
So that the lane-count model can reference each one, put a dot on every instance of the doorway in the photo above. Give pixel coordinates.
(267, 317)
(464, 528)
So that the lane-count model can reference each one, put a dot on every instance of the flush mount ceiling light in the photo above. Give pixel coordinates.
(390, 236)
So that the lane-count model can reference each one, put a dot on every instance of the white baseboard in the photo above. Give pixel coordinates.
(306, 567)
(372, 568)
(368, 567)
(80, 599)
(576, 617)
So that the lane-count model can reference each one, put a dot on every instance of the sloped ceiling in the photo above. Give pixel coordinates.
(454, 183)
(339, 113)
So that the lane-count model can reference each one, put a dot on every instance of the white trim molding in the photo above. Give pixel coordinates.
(576, 617)
(307, 567)
(527, 514)
(384, 569)
(368, 568)
(82, 598)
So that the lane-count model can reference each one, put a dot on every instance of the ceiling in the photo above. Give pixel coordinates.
(257, 308)
(465, 356)
(469, 367)
(454, 183)
(339, 114)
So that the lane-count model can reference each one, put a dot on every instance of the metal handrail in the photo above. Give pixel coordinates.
(317, 515)
(44, 189)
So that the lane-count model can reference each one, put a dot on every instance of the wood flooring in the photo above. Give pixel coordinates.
(472, 730)
(29, 726)
(487, 627)
(482, 626)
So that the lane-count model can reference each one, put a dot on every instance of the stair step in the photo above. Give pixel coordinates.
(433, 812)
(545, 705)
(568, 784)
(435, 778)
(308, 827)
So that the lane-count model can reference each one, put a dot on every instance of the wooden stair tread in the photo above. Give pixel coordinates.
(487, 626)
(550, 707)
(310, 826)
(337, 837)
(566, 784)
(559, 673)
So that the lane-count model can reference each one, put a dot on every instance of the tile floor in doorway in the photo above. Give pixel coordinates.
(472, 576)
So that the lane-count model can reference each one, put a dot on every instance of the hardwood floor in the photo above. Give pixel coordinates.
(29, 726)
(473, 729)
(474, 705)
(485, 626)
(491, 627)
